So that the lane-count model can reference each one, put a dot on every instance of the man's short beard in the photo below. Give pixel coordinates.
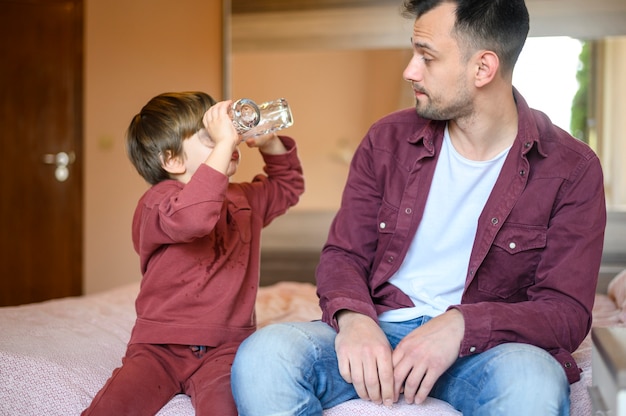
(430, 113)
(461, 107)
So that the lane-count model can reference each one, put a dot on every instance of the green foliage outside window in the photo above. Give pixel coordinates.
(580, 103)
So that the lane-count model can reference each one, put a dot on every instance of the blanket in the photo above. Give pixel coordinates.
(56, 355)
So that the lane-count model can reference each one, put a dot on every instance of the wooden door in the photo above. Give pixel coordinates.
(41, 149)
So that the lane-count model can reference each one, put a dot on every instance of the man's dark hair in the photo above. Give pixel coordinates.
(500, 26)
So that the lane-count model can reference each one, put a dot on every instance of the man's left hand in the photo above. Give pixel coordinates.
(425, 353)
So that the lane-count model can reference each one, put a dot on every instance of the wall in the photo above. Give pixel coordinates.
(334, 96)
(134, 50)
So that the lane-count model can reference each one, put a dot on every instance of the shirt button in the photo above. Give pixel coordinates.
(494, 221)
(568, 365)
(512, 245)
(472, 349)
(390, 259)
(408, 210)
(382, 225)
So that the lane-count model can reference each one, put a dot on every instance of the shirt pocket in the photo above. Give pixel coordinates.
(510, 266)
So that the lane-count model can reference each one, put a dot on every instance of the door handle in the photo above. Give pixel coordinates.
(61, 160)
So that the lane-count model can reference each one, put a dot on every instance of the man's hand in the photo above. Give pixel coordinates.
(364, 357)
(425, 353)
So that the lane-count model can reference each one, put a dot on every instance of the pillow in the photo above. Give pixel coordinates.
(617, 289)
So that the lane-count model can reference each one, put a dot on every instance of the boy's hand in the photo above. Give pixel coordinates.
(222, 138)
(219, 125)
(268, 143)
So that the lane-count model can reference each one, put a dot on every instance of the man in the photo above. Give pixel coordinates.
(463, 261)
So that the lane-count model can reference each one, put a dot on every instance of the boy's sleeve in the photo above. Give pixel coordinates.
(281, 185)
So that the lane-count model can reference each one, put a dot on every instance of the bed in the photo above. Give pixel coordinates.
(55, 355)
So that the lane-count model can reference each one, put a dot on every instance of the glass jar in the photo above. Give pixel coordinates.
(253, 120)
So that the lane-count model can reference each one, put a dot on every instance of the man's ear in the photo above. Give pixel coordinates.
(487, 65)
(172, 165)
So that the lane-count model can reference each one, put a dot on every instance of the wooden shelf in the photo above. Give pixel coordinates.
(274, 25)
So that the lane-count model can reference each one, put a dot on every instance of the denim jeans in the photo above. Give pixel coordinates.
(291, 369)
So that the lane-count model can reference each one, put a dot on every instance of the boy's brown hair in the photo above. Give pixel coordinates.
(157, 132)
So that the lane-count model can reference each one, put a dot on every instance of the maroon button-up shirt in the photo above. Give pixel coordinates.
(534, 265)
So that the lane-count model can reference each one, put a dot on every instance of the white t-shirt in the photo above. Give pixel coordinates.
(434, 269)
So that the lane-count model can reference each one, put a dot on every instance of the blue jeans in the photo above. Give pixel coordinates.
(291, 369)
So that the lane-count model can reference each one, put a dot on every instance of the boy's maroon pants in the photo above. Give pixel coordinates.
(151, 375)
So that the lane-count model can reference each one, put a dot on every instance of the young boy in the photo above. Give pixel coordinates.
(198, 240)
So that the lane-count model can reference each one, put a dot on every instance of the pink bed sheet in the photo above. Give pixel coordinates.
(55, 355)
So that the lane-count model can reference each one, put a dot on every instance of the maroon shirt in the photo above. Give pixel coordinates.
(534, 265)
(199, 250)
